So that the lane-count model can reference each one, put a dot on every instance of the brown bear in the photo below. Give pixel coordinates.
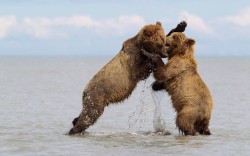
(116, 80)
(179, 77)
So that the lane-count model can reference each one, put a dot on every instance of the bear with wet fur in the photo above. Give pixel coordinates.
(116, 80)
(179, 77)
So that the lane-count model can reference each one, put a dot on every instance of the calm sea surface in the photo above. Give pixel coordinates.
(40, 96)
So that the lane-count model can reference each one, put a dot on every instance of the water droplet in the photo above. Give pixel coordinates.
(159, 123)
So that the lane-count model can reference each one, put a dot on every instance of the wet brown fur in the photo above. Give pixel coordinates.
(189, 94)
(116, 80)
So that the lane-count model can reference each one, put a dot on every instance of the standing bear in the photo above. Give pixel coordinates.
(179, 77)
(116, 80)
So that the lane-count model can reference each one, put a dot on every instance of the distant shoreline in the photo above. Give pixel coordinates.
(107, 56)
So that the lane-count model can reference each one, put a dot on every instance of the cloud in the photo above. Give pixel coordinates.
(120, 25)
(38, 28)
(242, 19)
(6, 23)
(196, 23)
(46, 27)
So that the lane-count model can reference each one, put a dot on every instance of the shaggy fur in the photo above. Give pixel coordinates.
(116, 80)
(189, 94)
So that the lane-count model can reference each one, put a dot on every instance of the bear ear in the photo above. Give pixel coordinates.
(158, 23)
(190, 41)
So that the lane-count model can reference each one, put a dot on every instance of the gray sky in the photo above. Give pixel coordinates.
(98, 27)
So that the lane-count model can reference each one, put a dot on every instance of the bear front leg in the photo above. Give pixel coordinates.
(155, 58)
(179, 28)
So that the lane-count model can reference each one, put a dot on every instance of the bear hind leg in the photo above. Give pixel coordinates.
(185, 124)
(87, 118)
(75, 121)
(204, 127)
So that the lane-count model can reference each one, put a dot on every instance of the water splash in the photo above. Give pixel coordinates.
(159, 123)
(136, 118)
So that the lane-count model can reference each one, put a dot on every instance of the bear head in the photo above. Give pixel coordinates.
(178, 44)
(153, 39)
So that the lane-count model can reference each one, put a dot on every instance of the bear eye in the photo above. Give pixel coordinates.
(175, 37)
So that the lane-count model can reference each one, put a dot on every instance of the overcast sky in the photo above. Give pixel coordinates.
(98, 27)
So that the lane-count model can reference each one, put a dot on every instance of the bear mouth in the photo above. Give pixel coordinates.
(168, 49)
(164, 54)
(167, 44)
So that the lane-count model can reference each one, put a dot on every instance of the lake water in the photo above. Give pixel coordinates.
(40, 96)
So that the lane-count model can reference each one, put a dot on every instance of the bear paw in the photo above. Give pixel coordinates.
(157, 86)
(75, 130)
(181, 27)
(152, 57)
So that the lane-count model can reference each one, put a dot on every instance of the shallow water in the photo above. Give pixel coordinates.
(40, 96)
